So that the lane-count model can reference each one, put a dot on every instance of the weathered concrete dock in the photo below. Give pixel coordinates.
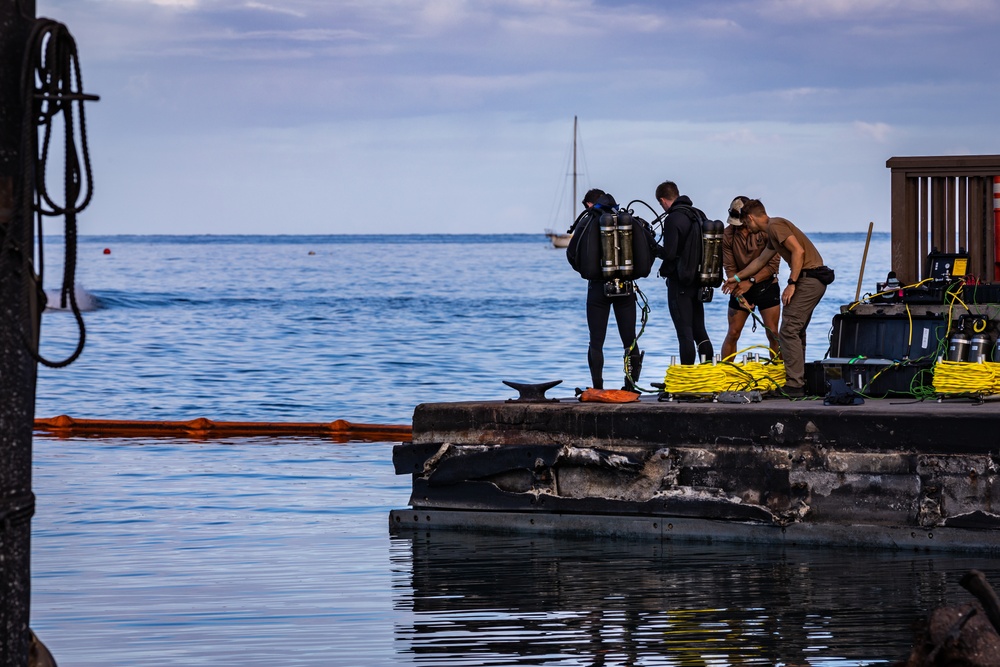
(891, 473)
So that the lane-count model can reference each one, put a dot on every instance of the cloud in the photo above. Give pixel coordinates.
(277, 10)
(743, 136)
(691, 89)
(793, 94)
(878, 131)
(864, 10)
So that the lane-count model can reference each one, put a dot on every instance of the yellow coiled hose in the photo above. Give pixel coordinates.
(724, 376)
(962, 377)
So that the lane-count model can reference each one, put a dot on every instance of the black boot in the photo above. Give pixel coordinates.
(634, 369)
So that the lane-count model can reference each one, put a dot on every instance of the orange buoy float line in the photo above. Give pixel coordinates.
(201, 428)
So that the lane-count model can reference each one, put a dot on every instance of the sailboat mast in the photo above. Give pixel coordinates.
(573, 206)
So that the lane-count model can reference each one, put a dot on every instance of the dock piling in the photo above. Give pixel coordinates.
(17, 366)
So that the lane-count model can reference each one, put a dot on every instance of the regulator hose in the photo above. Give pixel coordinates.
(657, 218)
(51, 84)
(644, 318)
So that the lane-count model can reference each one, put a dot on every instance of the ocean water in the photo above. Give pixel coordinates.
(359, 328)
(275, 551)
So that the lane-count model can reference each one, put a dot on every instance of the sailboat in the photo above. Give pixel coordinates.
(560, 239)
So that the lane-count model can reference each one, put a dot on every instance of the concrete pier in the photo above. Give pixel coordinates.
(893, 473)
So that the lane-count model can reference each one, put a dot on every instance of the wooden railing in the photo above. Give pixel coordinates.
(942, 203)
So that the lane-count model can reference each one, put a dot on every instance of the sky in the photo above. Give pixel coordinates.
(456, 116)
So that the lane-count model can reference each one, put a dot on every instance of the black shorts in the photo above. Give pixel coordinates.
(764, 295)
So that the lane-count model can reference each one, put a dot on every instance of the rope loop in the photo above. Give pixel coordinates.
(51, 90)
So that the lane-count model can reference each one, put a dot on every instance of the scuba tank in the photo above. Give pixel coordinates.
(958, 347)
(616, 253)
(979, 346)
(616, 245)
(625, 260)
(710, 274)
(609, 246)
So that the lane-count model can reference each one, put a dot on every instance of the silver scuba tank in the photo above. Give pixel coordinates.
(711, 253)
(625, 250)
(609, 246)
(958, 346)
(979, 348)
(617, 259)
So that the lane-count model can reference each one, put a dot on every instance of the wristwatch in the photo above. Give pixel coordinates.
(791, 282)
(752, 280)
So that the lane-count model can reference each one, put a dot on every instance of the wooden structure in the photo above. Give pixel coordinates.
(943, 203)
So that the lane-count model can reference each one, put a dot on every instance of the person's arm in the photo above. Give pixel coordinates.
(728, 262)
(798, 255)
(770, 270)
(749, 270)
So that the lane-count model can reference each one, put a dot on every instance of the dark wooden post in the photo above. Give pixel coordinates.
(17, 367)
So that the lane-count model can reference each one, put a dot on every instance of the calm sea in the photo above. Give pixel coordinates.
(268, 551)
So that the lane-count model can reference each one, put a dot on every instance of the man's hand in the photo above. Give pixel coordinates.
(786, 296)
(730, 285)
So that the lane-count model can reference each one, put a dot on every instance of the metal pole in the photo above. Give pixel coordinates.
(864, 258)
(17, 367)
(572, 207)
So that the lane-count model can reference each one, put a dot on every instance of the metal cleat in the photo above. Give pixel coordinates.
(531, 393)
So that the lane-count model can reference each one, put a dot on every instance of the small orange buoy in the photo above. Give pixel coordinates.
(107, 251)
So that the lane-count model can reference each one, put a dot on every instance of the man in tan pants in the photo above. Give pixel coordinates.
(807, 281)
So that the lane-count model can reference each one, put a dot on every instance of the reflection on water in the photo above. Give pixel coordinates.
(275, 551)
(498, 600)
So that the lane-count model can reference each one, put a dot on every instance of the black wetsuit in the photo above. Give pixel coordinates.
(598, 312)
(581, 256)
(686, 308)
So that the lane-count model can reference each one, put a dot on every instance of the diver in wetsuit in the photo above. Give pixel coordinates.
(599, 307)
(683, 300)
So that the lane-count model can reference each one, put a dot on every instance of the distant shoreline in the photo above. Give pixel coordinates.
(379, 238)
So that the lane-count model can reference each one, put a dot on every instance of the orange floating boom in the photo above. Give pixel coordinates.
(340, 430)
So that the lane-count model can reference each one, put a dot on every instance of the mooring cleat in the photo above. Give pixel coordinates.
(531, 393)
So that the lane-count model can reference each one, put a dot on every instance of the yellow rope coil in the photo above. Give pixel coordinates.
(714, 378)
(693, 379)
(765, 376)
(995, 367)
(962, 377)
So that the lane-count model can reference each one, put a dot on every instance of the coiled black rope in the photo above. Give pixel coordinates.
(51, 84)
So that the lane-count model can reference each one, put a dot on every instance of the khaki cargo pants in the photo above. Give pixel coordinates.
(792, 333)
